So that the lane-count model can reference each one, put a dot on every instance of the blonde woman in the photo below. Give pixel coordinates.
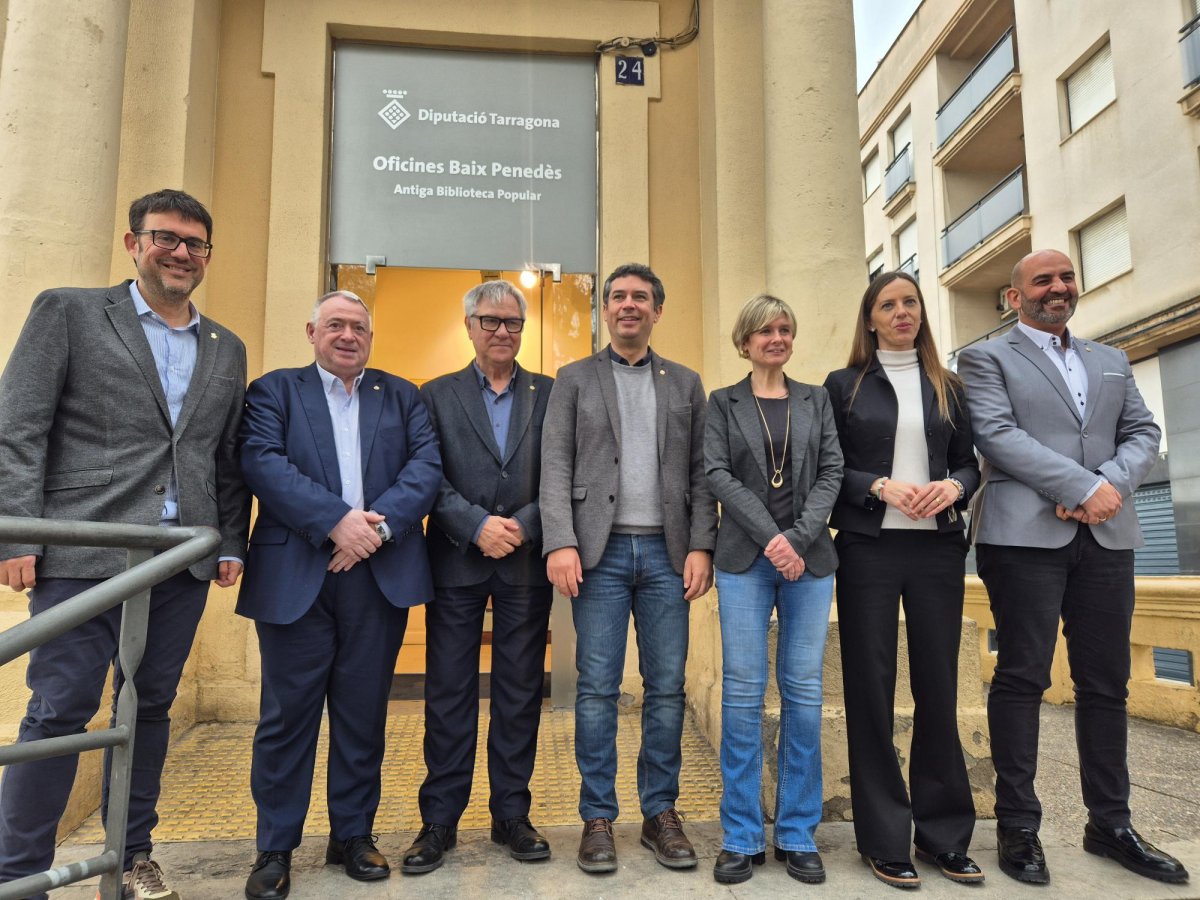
(772, 459)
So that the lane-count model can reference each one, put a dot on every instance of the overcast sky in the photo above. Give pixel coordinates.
(876, 24)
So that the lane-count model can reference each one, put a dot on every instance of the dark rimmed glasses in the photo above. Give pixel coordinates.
(492, 323)
(169, 240)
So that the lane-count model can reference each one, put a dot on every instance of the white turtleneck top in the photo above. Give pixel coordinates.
(911, 460)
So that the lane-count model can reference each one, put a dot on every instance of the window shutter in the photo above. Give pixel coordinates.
(902, 134)
(875, 265)
(1104, 248)
(1091, 88)
(871, 175)
(906, 241)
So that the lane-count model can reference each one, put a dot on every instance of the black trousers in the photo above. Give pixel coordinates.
(454, 629)
(924, 571)
(1091, 590)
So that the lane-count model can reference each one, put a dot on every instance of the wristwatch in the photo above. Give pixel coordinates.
(382, 531)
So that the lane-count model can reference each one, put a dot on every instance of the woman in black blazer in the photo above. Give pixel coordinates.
(772, 459)
(910, 470)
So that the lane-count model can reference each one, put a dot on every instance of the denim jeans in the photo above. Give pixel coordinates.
(745, 600)
(633, 576)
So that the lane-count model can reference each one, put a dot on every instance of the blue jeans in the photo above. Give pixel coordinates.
(745, 600)
(633, 576)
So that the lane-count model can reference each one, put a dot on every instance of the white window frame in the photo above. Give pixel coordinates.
(1090, 88)
(1103, 245)
(872, 162)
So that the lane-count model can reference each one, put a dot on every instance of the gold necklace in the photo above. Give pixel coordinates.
(777, 480)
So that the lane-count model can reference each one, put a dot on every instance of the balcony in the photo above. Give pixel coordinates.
(989, 74)
(999, 206)
(898, 182)
(910, 266)
(1189, 48)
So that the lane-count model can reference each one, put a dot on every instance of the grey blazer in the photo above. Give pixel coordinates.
(581, 444)
(85, 431)
(735, 461)
(481, 479)
(1038, 452)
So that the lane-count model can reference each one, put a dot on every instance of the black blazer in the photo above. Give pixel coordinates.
(480, 478)
(735, 462)
(867, 431)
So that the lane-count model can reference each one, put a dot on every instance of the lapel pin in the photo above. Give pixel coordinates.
(533, 387)
(374, 387)
(213, 335)
(662, 371)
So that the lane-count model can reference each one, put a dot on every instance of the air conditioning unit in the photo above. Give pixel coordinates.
(1006, 311)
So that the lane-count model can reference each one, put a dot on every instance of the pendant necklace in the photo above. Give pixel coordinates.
(777, 479)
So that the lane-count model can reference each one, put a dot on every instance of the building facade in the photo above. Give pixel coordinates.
(995, 127)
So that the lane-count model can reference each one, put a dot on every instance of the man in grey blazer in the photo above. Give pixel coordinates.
(118, 404)
(628, 527)
(1066, 439)
(485, 541)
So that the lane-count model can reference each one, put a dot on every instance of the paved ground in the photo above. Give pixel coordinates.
(1166, 804)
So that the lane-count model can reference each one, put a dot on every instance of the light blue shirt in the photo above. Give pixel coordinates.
(1069, 363)
(343, 413)
(174, 350)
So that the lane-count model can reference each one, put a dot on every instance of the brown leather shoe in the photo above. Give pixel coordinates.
(664, 835)
(597, 852)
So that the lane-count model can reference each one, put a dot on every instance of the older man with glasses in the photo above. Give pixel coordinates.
(485, 542)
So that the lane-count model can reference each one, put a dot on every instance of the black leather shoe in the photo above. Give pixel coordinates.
(1135, 853)
(955, 866)
(271, 876)
(1021, 855)
(359, 855)
(803, 865)
(523, 840)
(898, 873)
(734, 868)
(427, 850)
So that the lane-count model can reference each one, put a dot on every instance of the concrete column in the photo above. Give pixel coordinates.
(813, 209)
(60, 127)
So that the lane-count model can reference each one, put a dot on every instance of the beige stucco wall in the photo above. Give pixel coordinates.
(1141, 148)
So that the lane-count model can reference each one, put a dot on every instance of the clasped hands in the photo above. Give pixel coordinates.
(919, 501)
(780, 553)
(354, 539)
(499, 537)
(1100, 507)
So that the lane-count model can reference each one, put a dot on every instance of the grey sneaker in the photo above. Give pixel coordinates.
(145, 882)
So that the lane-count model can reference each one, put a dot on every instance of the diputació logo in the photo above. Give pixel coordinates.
(393, 113)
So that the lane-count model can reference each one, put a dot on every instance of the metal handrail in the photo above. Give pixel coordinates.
(181, 547)
(952, 356)
(975, 68)
(999, 185)
(905, 160)
(1189, 46)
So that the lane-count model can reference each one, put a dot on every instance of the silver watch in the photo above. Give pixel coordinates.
(381, 530)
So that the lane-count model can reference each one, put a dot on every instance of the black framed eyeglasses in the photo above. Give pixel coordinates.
(169, 240)
(492, 323)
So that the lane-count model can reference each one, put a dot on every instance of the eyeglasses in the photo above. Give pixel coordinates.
(492, 323)
(169, 240)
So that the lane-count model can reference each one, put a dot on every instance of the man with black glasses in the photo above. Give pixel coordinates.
(118, 404)
(485, 540)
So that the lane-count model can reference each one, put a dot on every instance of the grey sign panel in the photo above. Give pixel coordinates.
(463, 160)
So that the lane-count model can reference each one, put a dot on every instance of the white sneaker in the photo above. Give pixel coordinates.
(145, 882)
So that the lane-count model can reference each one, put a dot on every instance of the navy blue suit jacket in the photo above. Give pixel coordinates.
(289, 462)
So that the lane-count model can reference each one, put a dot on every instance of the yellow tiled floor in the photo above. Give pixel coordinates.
(206, 784)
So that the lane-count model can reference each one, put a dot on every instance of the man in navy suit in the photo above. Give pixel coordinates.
(345, 465)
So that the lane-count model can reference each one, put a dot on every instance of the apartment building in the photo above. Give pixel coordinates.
(993, 127)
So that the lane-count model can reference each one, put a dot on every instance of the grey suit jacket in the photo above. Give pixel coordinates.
(1038, 452)
(481, 479)
(581, 443)
(85, 431)
(735, 461)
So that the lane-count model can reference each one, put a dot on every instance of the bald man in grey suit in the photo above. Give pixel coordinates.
(118, 404)
(1066, 440)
